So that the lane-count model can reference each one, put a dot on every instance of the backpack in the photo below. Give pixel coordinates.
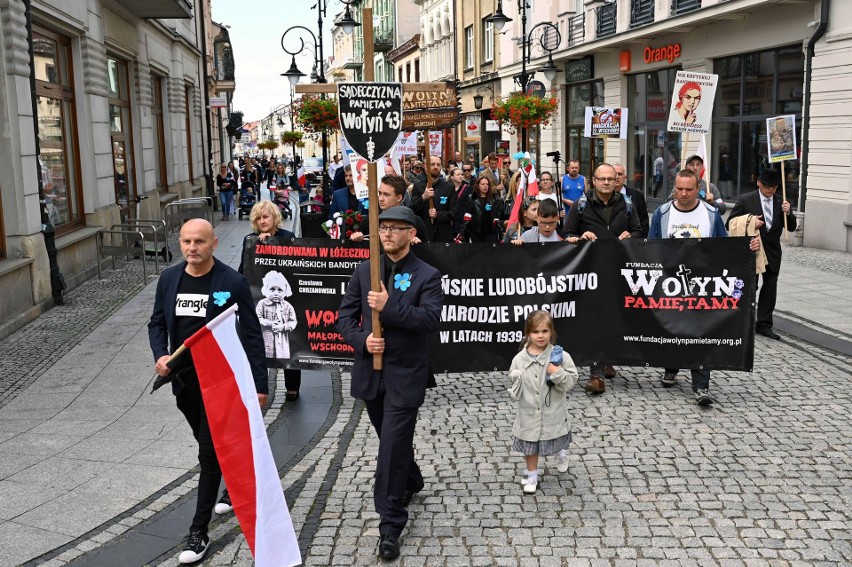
(584, 200)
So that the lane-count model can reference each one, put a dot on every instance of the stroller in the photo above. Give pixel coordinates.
(247, 199)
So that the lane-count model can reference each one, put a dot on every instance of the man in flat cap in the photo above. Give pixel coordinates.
(767, 204)
(409, 306)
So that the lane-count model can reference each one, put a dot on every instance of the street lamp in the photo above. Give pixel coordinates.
(347, 23)
(478, 98)
(548, 40)
(293, 74)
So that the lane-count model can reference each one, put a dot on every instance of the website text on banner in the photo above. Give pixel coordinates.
(666, 303)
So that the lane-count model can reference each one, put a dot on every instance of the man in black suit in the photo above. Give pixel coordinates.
(409, 307)
(440, 216)
(189, 295)
(767, 205)
(636, 197)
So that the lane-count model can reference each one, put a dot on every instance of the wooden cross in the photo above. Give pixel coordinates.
(372, 170)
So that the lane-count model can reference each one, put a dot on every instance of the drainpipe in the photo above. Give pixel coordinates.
(57, 280)
(806, 121)
(208, 174)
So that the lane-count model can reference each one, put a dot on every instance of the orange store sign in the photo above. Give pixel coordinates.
(666, 53)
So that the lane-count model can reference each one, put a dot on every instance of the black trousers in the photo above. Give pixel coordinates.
(768, 296)
(396, 469)
(700, 378)
(191, 405)
(292, 379)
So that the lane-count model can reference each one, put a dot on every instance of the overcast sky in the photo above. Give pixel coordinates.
(256, 27)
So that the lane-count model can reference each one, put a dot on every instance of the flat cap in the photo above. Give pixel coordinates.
(399, 213)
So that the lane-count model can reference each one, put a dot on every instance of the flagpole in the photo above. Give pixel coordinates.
(783, 199)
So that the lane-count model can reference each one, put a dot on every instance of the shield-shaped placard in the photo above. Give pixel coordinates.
(370, 116)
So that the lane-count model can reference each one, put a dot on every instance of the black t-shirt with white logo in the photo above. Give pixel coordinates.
(191, 305)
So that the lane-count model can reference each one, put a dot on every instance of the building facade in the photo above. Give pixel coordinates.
(478, 58)
(772, 58)
(119, 114)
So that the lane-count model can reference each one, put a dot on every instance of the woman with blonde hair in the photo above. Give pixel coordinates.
(266, 222)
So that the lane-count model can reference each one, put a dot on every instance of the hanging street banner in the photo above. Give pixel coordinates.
(602, 122)
(781, 135)
(370, 117)
(692, 102)
(676, 303)
(423, 110)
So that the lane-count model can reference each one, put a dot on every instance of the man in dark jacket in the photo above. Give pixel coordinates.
(438, 215)
(637, 199)
(601, 213)
(183, 304)
(409, 308)
(767, 204)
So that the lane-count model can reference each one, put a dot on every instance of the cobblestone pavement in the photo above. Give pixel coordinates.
(28, 352)
(761, 478)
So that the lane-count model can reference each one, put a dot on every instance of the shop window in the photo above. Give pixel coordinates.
(588, 151)
(121, 136)
(157, 111)
(59, 156)
(752, 88)
(654, 155)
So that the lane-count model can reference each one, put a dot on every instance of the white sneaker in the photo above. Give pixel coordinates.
(224, 506)
(562, 462)
(196, 547)
(530, 485)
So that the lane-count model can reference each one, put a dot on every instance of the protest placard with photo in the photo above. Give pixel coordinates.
(781, 137)
(692, 102)
(603, 122)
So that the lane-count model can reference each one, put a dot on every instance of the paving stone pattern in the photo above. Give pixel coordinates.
(761, 478)
(28, 352)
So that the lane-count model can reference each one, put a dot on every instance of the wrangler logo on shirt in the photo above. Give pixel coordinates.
(191, 305)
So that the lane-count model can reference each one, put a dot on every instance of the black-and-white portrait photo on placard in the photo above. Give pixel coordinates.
(370, 116)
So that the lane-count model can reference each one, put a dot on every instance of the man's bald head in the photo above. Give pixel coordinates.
(197, 243)
(199, 224)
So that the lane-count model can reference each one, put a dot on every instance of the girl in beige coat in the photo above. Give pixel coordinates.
(541, 374)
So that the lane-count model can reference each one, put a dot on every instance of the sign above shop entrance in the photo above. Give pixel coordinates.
(580, 70)
(666, 53)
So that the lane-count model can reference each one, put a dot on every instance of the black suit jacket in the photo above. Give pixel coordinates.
(409, 317)
(445, 205)
(750, 204)
(641, 207)
(161, 327)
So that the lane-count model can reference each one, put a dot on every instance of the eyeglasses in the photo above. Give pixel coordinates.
(548, 224)
(467, 170)
(606, 179)
(546, 179)
(394, 229)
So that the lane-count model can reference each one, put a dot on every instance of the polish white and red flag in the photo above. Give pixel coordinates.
(242, 447)
(301, 175)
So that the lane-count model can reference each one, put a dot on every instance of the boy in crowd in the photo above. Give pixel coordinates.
(548, 219)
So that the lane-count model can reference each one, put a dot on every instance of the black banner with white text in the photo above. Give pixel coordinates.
(676, 303)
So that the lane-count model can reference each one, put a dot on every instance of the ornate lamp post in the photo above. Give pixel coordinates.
(548, 40)
(293, 74)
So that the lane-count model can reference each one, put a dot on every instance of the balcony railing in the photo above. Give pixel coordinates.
(383, 42)
(576, 30)
(606, 20)
(641, 13)
(684, 6)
